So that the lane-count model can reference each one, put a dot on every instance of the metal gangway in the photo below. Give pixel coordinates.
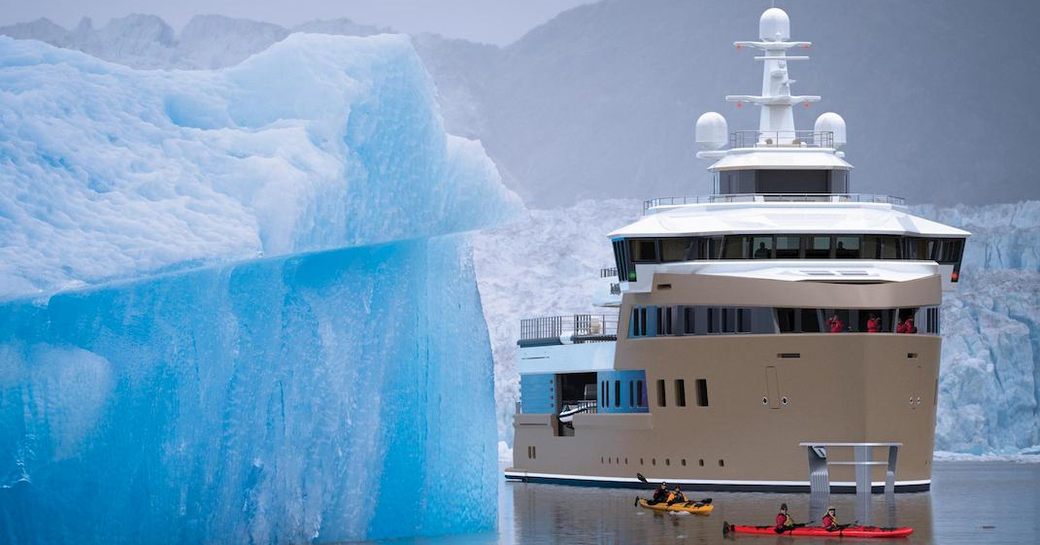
(863, 462)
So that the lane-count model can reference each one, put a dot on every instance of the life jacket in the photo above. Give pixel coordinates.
(783, 520)
(830, 520)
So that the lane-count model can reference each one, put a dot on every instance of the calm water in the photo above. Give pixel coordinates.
(970, 502)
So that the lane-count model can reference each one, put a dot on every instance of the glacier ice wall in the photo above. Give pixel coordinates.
(277, 401)
(318, 142)
(235, 306)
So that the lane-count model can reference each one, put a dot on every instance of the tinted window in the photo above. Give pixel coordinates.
(787, 247)
(644, 251)
(819, 247)
(846, 247)
(762, 247)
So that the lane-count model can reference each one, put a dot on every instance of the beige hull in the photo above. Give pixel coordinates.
(846, 387)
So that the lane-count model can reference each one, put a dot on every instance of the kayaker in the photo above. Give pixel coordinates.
(661, 494)
(677, 496)
(830, 520)
(784, 522)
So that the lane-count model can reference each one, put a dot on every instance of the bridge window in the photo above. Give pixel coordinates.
(788, 247)
(644, 251)
(762, 247)
(819, 247)
(846, 247)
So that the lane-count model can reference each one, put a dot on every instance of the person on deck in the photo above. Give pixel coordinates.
(762, 252)
(873, 324)
(836, 324)
(830, 520)
(784, 522)
(908, 325)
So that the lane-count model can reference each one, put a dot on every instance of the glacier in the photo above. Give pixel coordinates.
(237, 305)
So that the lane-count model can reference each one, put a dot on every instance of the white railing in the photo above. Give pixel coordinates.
(650, 205)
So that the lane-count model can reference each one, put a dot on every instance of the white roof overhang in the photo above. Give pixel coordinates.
(785, 217)
(780, 158)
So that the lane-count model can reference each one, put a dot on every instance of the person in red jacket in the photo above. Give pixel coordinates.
(784, 522)
(873, 324)
(830, 520)
(836, 324)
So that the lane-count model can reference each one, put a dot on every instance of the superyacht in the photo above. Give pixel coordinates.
(781, 319)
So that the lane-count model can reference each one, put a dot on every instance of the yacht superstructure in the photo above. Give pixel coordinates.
(778, 312)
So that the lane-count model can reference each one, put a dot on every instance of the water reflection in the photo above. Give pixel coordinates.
(549, 515)
(991, 502)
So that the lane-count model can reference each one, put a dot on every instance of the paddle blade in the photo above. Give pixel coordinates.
(641, 478)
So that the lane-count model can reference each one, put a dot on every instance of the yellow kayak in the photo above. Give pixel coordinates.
(694, 508)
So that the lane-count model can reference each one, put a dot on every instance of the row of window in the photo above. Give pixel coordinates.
(636, 393)
(607, 460)
(657, 321)
(700, 392)
(651, 321)
(628, 252)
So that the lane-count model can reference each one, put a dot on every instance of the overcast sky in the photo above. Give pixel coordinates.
(491, 21)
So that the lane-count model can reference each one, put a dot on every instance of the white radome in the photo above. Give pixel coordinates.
(833, 123)
(712, 131)
(774, 25)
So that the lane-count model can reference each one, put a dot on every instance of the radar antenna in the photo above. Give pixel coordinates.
(776, 100)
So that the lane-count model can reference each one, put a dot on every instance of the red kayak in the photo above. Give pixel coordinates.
(818, 531)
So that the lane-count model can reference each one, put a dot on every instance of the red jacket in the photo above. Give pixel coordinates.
(837, 326)
(781, 520)
(873, 326)
(829, 521)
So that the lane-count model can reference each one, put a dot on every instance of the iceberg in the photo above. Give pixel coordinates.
(238, 306)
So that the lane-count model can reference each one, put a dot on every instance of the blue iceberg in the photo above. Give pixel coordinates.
(237, 306)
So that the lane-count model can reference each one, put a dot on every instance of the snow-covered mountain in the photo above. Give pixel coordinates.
(600, 101)
(146, 41)
(549, 263)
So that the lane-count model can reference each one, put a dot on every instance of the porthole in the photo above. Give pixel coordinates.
(626, 461)
(617, 461)
(783, 400)
(667, 461)
(722, 463)
(765, 401)
(640, 461)
(701, 462)
(684, 461)
(609, 460)
(601, 459)
(653, 461)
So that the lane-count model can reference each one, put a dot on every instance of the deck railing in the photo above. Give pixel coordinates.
(660, 202)
(781, 139)
(580, 327)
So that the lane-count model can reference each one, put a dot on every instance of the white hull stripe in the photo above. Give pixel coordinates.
(524, 474)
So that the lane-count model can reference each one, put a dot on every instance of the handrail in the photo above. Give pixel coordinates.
(577, 325)
(658, 202)
(781, 139)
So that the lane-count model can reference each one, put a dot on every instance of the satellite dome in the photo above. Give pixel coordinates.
(712, 131)
(834, 124)
(774, 25)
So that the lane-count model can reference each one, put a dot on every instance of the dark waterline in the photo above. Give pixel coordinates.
(970, 502)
